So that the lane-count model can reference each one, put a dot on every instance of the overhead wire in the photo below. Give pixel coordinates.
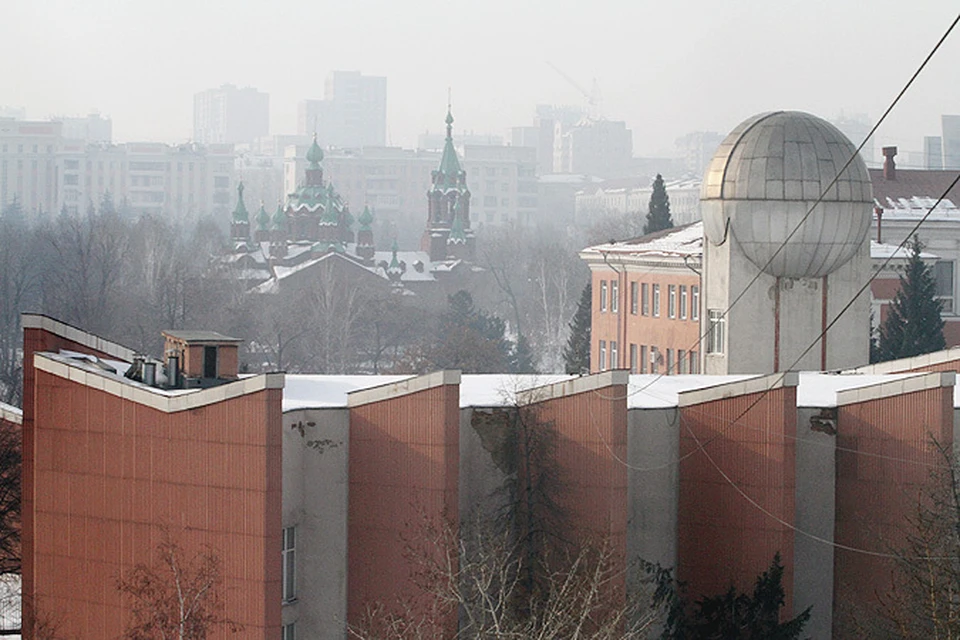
(701, 446)
(697, 344)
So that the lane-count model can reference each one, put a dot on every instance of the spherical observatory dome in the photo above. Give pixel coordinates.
(766, 176)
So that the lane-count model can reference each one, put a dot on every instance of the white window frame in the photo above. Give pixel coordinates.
(633, 358)
(614, 355)
(288, 572)
(670, 363)
(671, 301)
(656, 301)
(683, 302)
(289, 631)
(603, 296)
(695, 302)
(602, 366)
(682, 361)
(614, 296)
(634, 297)
(694, 362)
(644, 299)
(643, 358)
(717, 329)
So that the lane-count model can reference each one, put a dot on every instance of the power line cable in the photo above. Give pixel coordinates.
(697, 344)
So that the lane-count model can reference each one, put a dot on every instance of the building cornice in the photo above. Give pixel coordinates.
(920, 382)
(760, 384)
(165, 400)
(583, 384)
(394, 390)
(79, 336)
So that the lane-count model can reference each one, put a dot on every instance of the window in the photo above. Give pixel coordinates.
(672, 301)
(656, 301)
(681, 361)
(602, 365)
(634, 298)
(643, 359)
(694, 362)
(715, 335)
(694, 302)
(614, 359)
(603, 296)
(633, 359)
(683, 302)
(645, 299)
(943, 276)
(654, 360)
(670, 369)
(615, 296)
(289, 631)
(289, 570)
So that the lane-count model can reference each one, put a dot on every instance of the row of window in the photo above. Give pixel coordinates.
(645, 299)
(644, 359)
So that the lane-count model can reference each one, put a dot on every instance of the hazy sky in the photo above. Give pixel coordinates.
(666, 67)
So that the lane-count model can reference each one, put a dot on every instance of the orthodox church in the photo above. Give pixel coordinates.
(315, 226)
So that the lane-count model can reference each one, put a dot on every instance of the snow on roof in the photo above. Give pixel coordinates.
(654, 391)
(303, 391)
(883, 251)
(678, 241)
(568, 178)
(500, 389)
(915, 207)
(820, 389)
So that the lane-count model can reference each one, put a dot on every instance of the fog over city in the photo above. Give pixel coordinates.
(666, 68)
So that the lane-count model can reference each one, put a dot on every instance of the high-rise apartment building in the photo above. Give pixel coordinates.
(933, 152)
(950, 130)
(352, 114)
(601, 148)
(93, 128)
(229, 115)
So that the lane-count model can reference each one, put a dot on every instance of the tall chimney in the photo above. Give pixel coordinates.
(878, 210)
(889, 164)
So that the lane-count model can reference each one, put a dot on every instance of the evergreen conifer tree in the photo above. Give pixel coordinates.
(913, 325)
(576, 355)
(658, 215)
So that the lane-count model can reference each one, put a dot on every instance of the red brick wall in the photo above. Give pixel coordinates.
(592, 429)
(723, 539)
(883, 459)
(403, 474)
(626, 328)
(34, 340)
(591, 450)
(109, 474)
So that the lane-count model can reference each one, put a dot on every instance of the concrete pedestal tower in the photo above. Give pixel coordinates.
(764, 179)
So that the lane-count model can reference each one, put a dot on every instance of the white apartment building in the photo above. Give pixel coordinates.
(633, 196)
(92, 129)
(230, 115)
(353, 113)
(503, 184)
(48, 172)
(593, 147)
(28, 164)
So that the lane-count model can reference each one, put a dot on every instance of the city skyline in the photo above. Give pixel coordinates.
(665, 70)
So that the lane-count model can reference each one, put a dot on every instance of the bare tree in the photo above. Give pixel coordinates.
(177, 597)
(924, 601)
(476, 574)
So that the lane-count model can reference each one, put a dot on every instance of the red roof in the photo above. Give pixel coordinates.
(911, 183)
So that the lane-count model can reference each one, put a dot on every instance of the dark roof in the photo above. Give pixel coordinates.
(200, 336)
(911, 183)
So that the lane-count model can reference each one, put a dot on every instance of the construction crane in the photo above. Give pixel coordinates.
(593, 97)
